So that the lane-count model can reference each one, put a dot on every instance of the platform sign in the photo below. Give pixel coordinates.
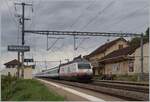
(28, 60)
(18, 48)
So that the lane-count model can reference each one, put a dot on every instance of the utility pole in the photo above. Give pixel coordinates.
(23, 32)
(74, 42)
(142, 74)
(22, 74)
(74, 45)
(47, 42)
(18, 67)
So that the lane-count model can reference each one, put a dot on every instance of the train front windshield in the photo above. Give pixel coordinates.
(84, 66)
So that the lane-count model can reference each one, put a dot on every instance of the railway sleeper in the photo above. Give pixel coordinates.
(125, 82)
(144, 89)
(129, 95)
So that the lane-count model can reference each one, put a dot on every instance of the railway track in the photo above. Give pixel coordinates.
(129, 92)
(130, 87)
(124, 82)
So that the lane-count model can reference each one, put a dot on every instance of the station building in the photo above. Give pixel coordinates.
(126, 61)
(117, 57)
(102, 51)
(12, 68)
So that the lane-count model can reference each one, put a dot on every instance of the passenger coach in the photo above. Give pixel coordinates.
(78, 69)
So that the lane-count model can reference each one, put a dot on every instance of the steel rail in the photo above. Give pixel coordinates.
(121, 93)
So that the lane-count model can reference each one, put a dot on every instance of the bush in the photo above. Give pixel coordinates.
(126, 77)
(7, 83)
(104, 77)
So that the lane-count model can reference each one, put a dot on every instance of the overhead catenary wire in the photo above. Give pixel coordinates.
(118, 21)
(81, 42)
(33, 23)
(28, 14)
(56, 40)
(82, 13)
(10, 13)
(33, 20)
(88, 6)
(32, 16)
(75, 21)
(100, 12)
(16, 21)
(18, 36)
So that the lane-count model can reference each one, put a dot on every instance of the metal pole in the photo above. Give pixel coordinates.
(60, 62)
(23, 4)
(74, 42)
(23, 32)
(22, 66)
(18, 67)
(47, 42)
(141, 77)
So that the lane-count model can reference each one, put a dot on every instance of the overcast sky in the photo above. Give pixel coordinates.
(72, 15)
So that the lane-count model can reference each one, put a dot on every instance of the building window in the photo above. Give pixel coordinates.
(120, 46)
(131, 66)
(115, 67)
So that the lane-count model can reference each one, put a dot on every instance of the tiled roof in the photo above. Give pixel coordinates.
(117, 55)
(103, 48)
(121, 52)
(13, 62)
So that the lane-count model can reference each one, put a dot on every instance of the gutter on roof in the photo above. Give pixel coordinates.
(122, 56)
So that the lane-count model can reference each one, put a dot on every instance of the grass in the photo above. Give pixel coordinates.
(28, 90)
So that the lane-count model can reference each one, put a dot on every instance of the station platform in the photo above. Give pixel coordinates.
(78, 94)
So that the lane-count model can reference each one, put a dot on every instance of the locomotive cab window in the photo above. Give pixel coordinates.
(84, 66)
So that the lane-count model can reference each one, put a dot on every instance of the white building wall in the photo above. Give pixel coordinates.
(137, 62)
(28, 73)
(12, 71)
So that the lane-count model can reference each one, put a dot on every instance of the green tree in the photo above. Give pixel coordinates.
(146, 37)
(135, 42)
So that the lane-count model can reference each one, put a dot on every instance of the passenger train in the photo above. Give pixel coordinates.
(78, 69)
